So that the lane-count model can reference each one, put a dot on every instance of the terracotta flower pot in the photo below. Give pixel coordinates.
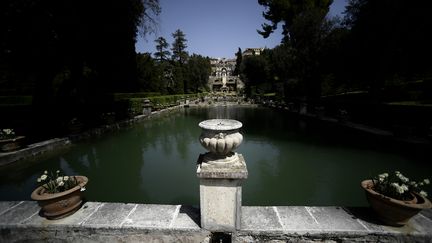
(11, 144)
(62, 204)
(392, 211)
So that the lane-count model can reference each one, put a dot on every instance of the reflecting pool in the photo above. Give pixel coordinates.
(291, 161)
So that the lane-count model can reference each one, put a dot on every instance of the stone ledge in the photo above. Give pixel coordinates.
(33, 150)
(235, 170)
(106, 222)
(102, 222)
(311, 224)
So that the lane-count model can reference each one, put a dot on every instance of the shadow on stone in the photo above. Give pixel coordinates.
(193, 212)
(220, 237)
(363, 213)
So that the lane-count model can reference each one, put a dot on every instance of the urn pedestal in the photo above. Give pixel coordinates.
(221, 173)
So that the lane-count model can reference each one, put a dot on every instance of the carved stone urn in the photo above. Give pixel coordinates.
(220, 137)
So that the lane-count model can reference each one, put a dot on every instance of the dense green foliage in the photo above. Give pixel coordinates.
(379, 47)
(68, 54)
(179, 53)
(135, 104)
(178, 74)
(16, 100)
(119, 96)
(239, 59)
(199, 70)
(162, 52)
(389, 42)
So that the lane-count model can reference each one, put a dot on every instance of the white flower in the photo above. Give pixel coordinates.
(57, 171)
(398, 188)
(44, 177)
(59, 179)
(382, 177)
(8, 131)
(404, 188)
(83, 189)
(65, 178)
(61, 183)
(426, 181)
(402, 177)
(45, 172)
(423, 193)
(39, 179)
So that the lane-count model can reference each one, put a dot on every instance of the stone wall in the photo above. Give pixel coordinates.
(119, 222)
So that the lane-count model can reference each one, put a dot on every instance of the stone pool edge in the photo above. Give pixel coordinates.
(125, 222)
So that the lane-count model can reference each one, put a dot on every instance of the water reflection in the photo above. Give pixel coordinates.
(290, 161)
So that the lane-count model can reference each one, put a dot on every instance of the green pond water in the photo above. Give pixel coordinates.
(291, 161)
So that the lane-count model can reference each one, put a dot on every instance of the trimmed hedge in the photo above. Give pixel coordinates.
(135, 105)
(16, 100)
(169, 100)
(119, 96)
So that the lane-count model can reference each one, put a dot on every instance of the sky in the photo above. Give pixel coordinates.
(216, 28)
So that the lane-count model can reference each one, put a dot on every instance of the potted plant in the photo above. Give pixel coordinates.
(9, 141)
(395, 198)
(59, 196)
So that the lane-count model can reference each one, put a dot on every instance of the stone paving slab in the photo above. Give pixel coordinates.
(419, 224)
(365, 216)
(109, 214)
(260, 219)
(5, 206)
(297, 219)
(20, 213)
(188, 218)
(335, 219)
(427, 213)
(152, 216)
(105, 222)
(77, 218)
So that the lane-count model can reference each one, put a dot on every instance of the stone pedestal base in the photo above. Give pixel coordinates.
(220, 194)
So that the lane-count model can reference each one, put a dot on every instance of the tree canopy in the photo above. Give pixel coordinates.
(287, 11)
(389, 41)
(162, 52)
(68, 53)
(179, 46)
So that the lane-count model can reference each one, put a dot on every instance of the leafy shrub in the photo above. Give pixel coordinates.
(16, 100)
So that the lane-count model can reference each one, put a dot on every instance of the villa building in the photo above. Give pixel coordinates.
(252, 52)
(221, 78)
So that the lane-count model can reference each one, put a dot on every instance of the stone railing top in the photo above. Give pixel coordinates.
(125, 222)
(220, 124)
